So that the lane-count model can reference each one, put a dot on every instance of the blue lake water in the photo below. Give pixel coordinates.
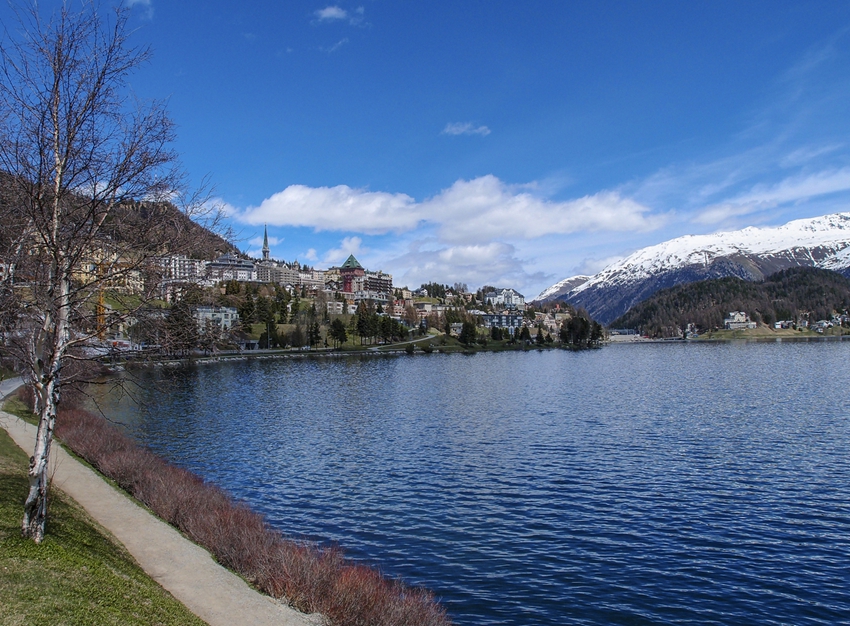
(646, 484)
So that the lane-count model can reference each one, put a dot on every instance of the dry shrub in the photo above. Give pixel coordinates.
(309, 577)
(25, 395)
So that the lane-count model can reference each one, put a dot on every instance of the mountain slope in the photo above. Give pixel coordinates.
(561, 288)
(750, 254)
(792, 294)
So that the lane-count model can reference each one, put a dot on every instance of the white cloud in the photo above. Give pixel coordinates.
(764, 197)
(806, 154)
(339, 44)
(485, 208)
(339, 208)
(337, 14)
(469, 212)
(217, 205)
(329, 14)
(348, 246)
(493, 263)
(590, 266)
(311, 255)
(258, 241)
(465, 128)
(147, 5)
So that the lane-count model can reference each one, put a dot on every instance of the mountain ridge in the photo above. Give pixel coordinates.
(797, 295)
(752, 254)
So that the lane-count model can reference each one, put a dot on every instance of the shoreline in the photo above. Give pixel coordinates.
(224, 563)
(261, 355)
(738, 339)
(182, 567)
(329, 353)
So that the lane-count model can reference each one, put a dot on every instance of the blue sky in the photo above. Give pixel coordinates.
(505, 143)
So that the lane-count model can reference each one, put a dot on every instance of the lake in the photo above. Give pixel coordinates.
(639, 484)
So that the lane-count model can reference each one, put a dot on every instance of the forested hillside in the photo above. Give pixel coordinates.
(143, 224)
(787, 295)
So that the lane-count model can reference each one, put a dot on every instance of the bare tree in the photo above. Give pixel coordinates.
(89, 185)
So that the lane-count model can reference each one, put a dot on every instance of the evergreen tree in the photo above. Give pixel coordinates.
(314, 334)
(295, 309)
(337, 332)
(354, 325)
(296, 337)
(247, 312)
(468, 333)
(181, 329)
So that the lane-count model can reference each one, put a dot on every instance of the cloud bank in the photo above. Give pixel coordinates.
(478, 231)
(470, 211)
(763, 197)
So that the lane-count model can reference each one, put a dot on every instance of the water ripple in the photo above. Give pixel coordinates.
(631, 485)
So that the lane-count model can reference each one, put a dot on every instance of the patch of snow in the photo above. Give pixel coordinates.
(829, 232)
(549, 291)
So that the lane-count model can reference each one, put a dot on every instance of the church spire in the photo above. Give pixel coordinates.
(265, 243)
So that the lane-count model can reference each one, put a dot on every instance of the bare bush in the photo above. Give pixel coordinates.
(309, 577)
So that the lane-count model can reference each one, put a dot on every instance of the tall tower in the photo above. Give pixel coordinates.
(265, 243)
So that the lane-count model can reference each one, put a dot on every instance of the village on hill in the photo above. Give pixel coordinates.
(239, 303)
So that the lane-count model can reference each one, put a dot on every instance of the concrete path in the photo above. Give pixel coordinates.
(9, 386)
(211, 592)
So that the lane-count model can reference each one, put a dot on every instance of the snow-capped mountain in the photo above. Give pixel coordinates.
(561, 288)
(751, 254)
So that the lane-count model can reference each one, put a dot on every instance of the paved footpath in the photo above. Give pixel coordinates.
(186, 570)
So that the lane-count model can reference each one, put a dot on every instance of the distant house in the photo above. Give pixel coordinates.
(821, 325)
(738, 320)
(423, 308)
(505, 298)
(231, 267)
(502, 320)
(221, 317)
(274, 272)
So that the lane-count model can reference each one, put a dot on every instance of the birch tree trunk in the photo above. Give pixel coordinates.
(74, 148)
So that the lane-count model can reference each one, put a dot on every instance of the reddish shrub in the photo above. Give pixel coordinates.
(310, 578)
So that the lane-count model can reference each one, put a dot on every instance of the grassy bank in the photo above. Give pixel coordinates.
(763, 332)
(79, 574)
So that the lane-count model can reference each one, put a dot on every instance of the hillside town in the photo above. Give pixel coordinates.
(237, 302)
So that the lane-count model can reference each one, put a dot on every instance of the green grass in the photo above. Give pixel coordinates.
(765, 332)
(16, 407)
(79, 574)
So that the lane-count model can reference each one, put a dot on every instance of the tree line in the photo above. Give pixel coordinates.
(792, 294)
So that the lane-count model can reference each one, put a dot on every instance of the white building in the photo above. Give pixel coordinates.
(231, 267)
(738, 320)
(221, 317)
(311, 279)
(182, 268)
(504, 320)
(272, 272)
(505, 298)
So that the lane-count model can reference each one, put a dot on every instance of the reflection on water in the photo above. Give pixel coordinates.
(629, 485)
